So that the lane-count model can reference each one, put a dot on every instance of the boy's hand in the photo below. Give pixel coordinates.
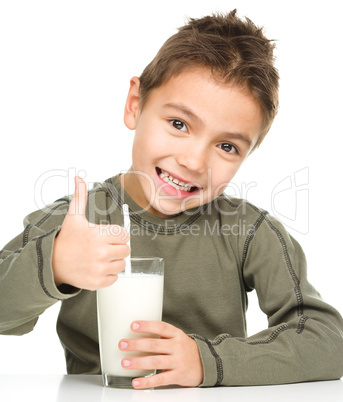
(178, 356)
(87, 256)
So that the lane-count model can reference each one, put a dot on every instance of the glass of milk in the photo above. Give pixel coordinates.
(137, 295)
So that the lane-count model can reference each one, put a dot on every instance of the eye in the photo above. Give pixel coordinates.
(228, 148)
(178, 124)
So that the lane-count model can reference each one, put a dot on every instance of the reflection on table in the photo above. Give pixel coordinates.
(71, 388)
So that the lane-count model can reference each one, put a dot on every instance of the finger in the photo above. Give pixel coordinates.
(107, 281)
(160, 328)
(148, 345)
(159, 362)
(119, 235)
(119, 252)
(113, 234)
(111, 268)
(157, 380)
(78, 203)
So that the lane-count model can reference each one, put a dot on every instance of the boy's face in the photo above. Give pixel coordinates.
(191, 138)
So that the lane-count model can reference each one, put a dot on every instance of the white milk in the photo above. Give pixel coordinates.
(130, 298)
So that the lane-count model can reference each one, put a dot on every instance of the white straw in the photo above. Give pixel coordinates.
(127, 226)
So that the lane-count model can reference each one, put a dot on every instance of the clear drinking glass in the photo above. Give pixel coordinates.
(138, 296)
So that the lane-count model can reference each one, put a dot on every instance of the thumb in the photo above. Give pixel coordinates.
(79, 201)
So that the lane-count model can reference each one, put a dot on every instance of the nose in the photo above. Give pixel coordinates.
(193, 156)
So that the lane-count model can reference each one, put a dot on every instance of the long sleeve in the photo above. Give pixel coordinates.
(304, 339)
(27, 285)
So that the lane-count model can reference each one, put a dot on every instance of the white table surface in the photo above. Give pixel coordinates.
(87, 388)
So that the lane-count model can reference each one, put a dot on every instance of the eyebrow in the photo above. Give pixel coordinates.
(240, 137)
(185, 110)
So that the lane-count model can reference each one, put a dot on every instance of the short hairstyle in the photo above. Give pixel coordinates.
(235, 50)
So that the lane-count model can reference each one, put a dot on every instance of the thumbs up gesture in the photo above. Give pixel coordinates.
(82, 255)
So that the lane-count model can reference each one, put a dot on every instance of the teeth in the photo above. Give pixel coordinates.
(175, 183)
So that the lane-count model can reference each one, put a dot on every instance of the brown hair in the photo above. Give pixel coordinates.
(235, 50)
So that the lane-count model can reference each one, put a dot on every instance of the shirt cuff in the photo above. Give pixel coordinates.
(211, 362)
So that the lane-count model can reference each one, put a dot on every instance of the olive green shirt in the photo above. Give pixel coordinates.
(213, 256)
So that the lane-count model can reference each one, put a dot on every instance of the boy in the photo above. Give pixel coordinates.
(198, 110)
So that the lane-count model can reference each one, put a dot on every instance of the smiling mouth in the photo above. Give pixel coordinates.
(177, 184)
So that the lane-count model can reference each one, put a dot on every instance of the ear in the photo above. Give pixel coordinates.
(131, 111)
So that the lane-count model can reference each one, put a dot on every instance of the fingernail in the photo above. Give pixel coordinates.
(135, 325)
(126, 363)
(135, 383)
(123, 345)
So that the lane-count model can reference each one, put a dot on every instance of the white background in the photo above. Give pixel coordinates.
(64, 74)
